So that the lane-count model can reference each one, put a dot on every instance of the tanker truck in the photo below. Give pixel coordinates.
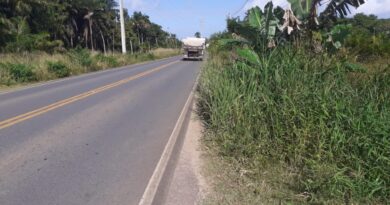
(193, 48)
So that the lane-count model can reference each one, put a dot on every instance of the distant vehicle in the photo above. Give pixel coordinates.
(194, 48)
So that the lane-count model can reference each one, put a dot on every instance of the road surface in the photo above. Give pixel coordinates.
(91, 139)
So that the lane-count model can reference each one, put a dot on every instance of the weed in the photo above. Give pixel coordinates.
(305, 112)
(82, 57)
(59, 69)
(16, 68)
(108, 60)
(19, 72)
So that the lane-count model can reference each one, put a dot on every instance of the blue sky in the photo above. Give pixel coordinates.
(185, 17)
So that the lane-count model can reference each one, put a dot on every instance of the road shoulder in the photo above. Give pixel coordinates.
(187, 185)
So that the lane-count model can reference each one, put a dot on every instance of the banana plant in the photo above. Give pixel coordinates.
(307, 10)
(338, 34)
(266, 23)
(262, 28)
(291, 22)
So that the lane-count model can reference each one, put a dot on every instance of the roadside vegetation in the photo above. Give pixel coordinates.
(48, 39)
(23, 68)
(297, 107)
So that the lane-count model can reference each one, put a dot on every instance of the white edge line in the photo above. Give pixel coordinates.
(52, 82)
(154, 181)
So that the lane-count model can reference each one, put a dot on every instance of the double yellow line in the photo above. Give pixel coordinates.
(20, 118)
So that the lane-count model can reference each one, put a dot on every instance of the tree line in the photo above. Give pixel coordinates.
(57, 25)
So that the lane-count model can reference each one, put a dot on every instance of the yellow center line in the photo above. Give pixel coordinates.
(20, 118)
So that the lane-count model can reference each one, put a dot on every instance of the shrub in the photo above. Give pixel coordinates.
(82, 57)
(20, 72)
(31, 42)
(151, 56)
(59, 69)
(110, 61)
(5, 77)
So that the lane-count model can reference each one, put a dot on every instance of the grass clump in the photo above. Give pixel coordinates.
(325, 125)
(59, 69)
(18, 72)
(83, 57)
(107, 60)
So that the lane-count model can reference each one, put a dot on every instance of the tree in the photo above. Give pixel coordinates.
(70, 23)
(307, 10)
(197, 34)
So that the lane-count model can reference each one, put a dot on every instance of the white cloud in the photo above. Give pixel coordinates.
(380, 8)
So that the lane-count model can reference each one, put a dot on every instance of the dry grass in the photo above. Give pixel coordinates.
(35, 65)
(232, 184)
(165, 52)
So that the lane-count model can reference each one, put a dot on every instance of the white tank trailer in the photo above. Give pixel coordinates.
(193, 48)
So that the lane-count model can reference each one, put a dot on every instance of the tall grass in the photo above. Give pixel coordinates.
(325, 123)
(20, 68)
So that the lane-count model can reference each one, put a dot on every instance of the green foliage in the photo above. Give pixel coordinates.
(307, 11)
(266, 23)
(18, 68)
(198, 35)
(52, 25)
(301, 8)
(82, 57)
(258, 28)
(109, 60)
(59, 69)
(151, 56)
(18, 72)
(249, 56)
(367, 36)
(327, 122)
(146, 57)
(31, 42)
(255, 17)
(322, 115)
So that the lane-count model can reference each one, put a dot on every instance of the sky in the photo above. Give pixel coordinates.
(185, 17)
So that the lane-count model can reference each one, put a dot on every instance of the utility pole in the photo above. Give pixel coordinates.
(123, 35)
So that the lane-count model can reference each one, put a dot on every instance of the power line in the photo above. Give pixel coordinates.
(248, 1)
(241, 8)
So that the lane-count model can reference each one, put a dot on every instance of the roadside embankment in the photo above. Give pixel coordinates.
(18, 69)
(292, 127)
(188, 185)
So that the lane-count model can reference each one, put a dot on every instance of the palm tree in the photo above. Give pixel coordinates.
(308, 9)
(88, 8)
(105, 20)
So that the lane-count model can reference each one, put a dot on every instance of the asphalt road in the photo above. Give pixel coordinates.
(91, 139)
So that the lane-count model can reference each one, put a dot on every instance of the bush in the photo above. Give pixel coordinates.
(330, 125)
(82, 57)
(144, 56)
(151, 56)
(110, 61)
(20, 72)
(31, 42)
(59, 69)
(5, 77)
